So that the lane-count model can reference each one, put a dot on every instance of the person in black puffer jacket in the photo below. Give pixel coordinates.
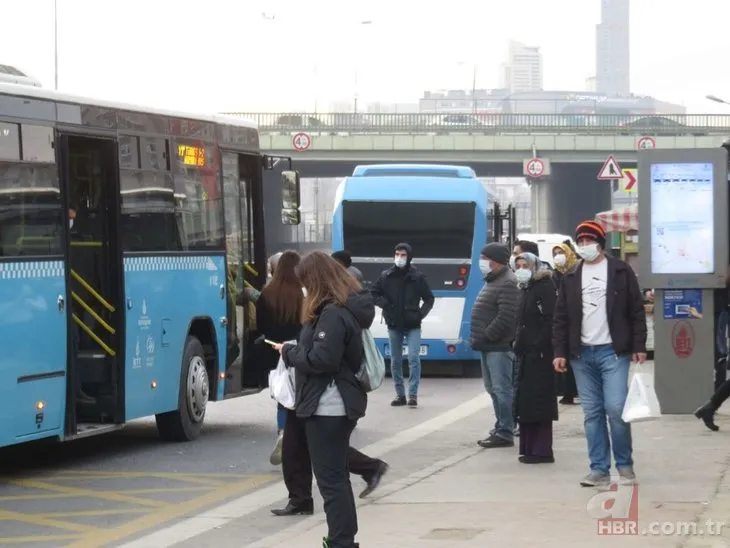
(329, 398)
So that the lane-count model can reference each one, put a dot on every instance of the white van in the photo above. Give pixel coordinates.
(546, 243)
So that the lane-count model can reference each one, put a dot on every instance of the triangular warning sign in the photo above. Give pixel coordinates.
(610, 171)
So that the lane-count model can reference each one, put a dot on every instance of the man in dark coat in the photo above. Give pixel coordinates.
(403, 293)
(493, 322)
(600, 325)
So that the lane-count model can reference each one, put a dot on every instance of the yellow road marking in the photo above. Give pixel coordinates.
(101, 538)
(203, 479)
(35, 538)
(85, 493)
(7, 515)
(92, 513)
(150, 491)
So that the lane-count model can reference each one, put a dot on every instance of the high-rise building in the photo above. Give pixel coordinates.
(613, 49)
(523, 69)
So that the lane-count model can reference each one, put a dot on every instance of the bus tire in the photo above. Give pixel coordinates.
(186, 422)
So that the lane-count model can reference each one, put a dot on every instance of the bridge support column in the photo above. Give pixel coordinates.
(570, 195)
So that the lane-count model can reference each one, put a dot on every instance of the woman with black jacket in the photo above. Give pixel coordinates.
(279, 318)
(564, 259)
(536, 404)
(329, 397)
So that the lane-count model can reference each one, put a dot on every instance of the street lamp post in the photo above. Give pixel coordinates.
(357, 85)
(716, 99)
(55, 45)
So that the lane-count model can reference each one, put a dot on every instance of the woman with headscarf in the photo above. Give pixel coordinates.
(565, 258)
(536, 407)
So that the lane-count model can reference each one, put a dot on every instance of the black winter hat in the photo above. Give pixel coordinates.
(499, 253)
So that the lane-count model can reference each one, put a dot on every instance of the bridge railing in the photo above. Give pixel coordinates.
(492, 124)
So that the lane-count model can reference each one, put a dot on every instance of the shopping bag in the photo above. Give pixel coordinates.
(372, 370)
(281, 385)
(642, 403)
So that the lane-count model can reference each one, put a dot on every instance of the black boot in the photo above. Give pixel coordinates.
(292, 509)
(706, 414)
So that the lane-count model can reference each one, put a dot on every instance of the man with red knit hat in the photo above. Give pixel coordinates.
(600, 325)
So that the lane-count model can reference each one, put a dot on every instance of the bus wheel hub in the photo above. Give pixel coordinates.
(198, 388)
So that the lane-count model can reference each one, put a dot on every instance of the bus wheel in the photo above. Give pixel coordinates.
(185, 423)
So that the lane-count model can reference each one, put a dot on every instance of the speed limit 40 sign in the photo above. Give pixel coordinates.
(301, 141)
(535, 167)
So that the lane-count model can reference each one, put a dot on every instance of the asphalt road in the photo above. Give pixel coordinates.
(114, 489)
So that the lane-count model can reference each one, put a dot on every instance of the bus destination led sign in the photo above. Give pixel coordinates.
(191, 155)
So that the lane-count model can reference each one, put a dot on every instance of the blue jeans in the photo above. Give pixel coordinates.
(498, 374)
(603, 384)
(280, 416)
(412, 339)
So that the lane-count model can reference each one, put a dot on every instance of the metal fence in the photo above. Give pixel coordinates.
(492, 124)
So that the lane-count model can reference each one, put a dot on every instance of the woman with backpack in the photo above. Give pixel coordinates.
(329, 398)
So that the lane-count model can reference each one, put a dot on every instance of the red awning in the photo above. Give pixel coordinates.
(619, 220)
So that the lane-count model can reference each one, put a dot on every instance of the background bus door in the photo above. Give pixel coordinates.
(246, 257)
(90, 182)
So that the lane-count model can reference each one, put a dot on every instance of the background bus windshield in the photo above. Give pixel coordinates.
(434, 230)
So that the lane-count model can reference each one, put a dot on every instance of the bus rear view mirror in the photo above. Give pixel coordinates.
(290, 198)
(290, 190)
(290, 217)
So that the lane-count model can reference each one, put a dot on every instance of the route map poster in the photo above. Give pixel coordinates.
(682, 218)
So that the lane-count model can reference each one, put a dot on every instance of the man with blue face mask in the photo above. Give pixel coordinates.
(403, 293)
(600, 325)
(493, 326)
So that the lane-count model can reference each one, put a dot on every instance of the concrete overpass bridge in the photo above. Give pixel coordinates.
(574, 146)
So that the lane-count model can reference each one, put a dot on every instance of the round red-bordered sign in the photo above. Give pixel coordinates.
(646, 143)
(535, 167)
(301, 141)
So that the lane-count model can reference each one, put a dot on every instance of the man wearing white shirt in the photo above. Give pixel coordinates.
(600, 325)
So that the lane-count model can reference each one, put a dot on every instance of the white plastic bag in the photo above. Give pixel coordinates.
(372, 370)
(642, 403)
(281, 384)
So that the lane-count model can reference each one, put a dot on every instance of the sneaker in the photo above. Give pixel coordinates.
(626, 475)
(275, 458)
(495, 441)
(413, 402)
(596, 479)
(398, 401)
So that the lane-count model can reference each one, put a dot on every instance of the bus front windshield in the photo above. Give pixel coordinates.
(436, 230)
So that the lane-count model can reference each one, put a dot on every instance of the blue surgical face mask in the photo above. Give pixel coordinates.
(400, 262)
(523, 275)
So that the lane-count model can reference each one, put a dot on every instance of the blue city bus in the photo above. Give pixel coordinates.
(127, 236)
(445, 213)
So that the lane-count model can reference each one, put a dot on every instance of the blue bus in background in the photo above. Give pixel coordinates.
(127, 237)
(446, 214)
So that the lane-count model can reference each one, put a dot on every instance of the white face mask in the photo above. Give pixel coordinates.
(523, 275)
(559, 260)
(588, 252)
(70, 223)
(304, 291)
(484, 266)
(400, 262)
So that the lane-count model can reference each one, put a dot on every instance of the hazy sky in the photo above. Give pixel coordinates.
(223, 55)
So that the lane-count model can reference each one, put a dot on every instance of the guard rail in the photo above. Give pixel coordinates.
(492, 124)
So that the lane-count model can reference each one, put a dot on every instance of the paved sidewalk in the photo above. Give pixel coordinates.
(487, 498)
